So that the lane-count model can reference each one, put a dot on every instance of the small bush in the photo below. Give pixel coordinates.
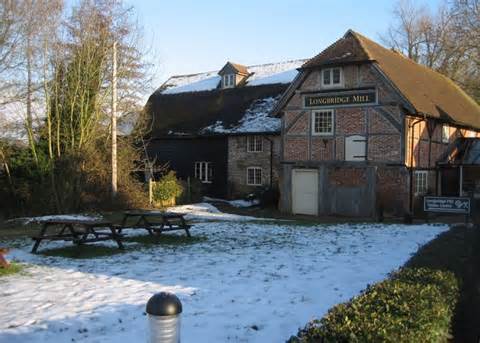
(413, 305)
(167, 188)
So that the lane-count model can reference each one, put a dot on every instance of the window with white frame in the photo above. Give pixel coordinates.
(204, 171)
(445, 133)
(322, 123)
(228, 80)
(254, 176)
(421, 182)
(254, 144)
(332, 77)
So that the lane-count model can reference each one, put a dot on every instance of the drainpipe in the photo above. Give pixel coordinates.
(460, 190)
(412, 127)
(271, 161)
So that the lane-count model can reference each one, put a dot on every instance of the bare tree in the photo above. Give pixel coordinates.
(446, 39)
(10, 41)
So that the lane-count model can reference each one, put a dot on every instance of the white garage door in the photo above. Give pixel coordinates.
(305, 191)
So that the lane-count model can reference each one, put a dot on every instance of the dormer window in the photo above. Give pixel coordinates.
(332, 77)
(233, 75)
(228, 80)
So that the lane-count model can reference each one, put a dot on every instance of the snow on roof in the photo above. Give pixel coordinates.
(255, 119)
(262, 74)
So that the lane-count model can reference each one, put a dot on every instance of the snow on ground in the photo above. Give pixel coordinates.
(245, 283)
(235, 203)
(206, 211)
(262, 74)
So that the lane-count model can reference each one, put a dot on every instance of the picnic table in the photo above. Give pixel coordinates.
(169, 221)
(77, 231)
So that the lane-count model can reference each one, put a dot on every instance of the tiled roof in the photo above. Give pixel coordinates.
(429, 92)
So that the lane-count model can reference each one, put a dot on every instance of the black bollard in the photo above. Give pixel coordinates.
(164, 311)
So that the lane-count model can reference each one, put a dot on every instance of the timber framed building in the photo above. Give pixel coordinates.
(362, 129)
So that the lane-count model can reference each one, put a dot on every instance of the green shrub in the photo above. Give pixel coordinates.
(413, 305)
(168, 187)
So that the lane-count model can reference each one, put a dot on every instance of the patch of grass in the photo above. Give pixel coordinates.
(82, 251)
(165, 239)
(14, 268)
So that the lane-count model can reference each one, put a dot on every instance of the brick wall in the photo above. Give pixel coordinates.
(381, 125)
(239, 159)
(393, 190)
(349, 177)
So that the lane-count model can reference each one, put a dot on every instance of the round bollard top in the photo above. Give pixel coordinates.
(164, 304)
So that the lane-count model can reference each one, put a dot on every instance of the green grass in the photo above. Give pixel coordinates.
(86, 251)
(82, 251)
(14, 268)
(165, 239)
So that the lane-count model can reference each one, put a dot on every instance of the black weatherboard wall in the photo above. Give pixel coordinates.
(182, 153)
(180, 134)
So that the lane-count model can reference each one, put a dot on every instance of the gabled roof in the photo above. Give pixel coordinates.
(427, 91)
(262, 74)
(240, 69)
(347, 49)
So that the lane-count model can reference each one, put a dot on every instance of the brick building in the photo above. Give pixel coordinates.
(362, 129)
(216, 126)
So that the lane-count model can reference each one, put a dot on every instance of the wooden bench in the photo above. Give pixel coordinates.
(145, 220)
(77, 231)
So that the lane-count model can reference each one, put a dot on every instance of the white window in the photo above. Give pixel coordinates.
(322, 123)
(204, 171)
(254, 144)
(445, 133)
(229, 81)
(421, 182)
(254, 176)
(332, 77)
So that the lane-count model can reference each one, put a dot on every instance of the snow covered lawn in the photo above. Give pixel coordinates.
(246, 282)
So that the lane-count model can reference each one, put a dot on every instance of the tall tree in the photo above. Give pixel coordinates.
(445, 39)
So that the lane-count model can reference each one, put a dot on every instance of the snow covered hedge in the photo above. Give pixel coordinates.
(413, 305)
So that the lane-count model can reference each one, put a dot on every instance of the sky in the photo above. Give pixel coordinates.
(187, 36)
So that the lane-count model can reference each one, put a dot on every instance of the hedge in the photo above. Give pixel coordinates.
(412, 305)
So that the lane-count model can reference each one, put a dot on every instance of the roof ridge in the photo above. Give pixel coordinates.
(409, 60)
(249, 66)
(323, 51)
(272, 63)
(358, 37)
